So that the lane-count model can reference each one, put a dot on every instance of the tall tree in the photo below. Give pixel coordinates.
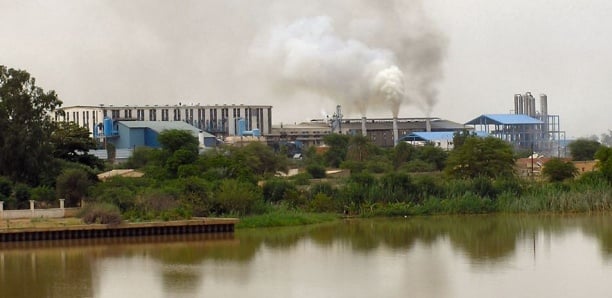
(487, 157)
(337, 149)
(584, 149)
(25, 126)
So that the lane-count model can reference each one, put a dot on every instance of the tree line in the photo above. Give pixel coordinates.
(44, 160)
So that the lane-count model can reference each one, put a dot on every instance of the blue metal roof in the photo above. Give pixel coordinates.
(503, 119)
(429, 136)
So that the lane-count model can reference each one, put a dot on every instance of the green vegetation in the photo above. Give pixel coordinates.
(557, 170)
(476, 177)
(583, 149)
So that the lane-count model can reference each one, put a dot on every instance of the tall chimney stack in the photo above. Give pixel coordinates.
(395, 131)
(364, 132)
(428, 125)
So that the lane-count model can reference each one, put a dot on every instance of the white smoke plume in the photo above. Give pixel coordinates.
(387, 55)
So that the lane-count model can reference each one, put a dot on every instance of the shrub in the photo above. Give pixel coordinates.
(43, 194)
(100, 213)
(22, 193)
(236, 197)
(275, 190)
(316, 171)
(558, 170)
(322, 203)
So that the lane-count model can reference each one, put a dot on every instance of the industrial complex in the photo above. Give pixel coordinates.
(132, 126)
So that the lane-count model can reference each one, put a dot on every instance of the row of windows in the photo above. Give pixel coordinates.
(250, 115)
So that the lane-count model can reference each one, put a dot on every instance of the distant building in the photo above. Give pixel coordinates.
(527, 129)
(379, 130)
(218, 120)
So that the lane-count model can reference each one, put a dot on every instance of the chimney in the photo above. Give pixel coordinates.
(364, 132)
(428, 125)
(395, 131)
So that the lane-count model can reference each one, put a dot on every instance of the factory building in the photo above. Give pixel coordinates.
(219, 120)
(527, 129)
(379, 130)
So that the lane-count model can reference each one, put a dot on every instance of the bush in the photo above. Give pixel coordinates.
(101, 213)
(22, 193)
(43, 194)
(316, 171)
(236, 197)
(275, 190)
(322, 203)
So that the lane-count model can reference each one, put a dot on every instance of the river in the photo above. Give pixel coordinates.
(446, 256)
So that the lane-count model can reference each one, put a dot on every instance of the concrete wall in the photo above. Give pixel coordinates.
(37, 213)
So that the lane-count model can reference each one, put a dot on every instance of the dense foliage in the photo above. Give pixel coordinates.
(583, 149)
(558, 170)
(25, 126)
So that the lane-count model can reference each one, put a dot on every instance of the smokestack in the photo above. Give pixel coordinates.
(395, 131)
(516, 103)
(428, 125)
(543, 104)
(364, 132)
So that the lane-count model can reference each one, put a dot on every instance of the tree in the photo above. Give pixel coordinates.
(72, 142)
(179, 147)
(25, 126)
(557, 170)
(433, 155)
(459, 137)
(172, 140)
(72, 185)
(583, 149)
(338, 147)
(487, 157)
(402, 153)
(604, 161)
(360, 148)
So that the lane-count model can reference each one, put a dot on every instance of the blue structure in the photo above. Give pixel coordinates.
(523, 131)
(132, 134)
(243, 132)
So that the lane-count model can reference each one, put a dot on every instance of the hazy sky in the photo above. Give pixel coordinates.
(456, 58)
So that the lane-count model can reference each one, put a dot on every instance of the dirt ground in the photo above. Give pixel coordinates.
(38, 222)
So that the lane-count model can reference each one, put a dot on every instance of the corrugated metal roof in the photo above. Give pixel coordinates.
(437, 136)
(503, 119)
(429, 136)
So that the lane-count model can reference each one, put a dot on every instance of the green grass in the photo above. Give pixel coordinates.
(281, 218)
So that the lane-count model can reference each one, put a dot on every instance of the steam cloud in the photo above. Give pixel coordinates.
(375, 61)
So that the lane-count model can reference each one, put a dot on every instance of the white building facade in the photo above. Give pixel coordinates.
(219, 120)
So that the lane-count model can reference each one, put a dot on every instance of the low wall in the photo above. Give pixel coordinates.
(37, 213)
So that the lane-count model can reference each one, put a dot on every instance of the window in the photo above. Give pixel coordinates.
(165, 115)
(152, 115)
(140, 114)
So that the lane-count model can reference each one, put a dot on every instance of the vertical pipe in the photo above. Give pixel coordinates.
(364, 132)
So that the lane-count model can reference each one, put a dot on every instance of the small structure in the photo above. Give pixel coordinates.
(132, 134)
(120, 173)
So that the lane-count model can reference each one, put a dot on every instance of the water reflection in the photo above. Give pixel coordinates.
(396, 253)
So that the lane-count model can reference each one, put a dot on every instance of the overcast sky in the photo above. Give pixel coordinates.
(458, 59)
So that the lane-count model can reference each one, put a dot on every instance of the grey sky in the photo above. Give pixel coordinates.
(165, 52)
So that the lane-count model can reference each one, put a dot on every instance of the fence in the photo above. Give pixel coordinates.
(37, 213)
